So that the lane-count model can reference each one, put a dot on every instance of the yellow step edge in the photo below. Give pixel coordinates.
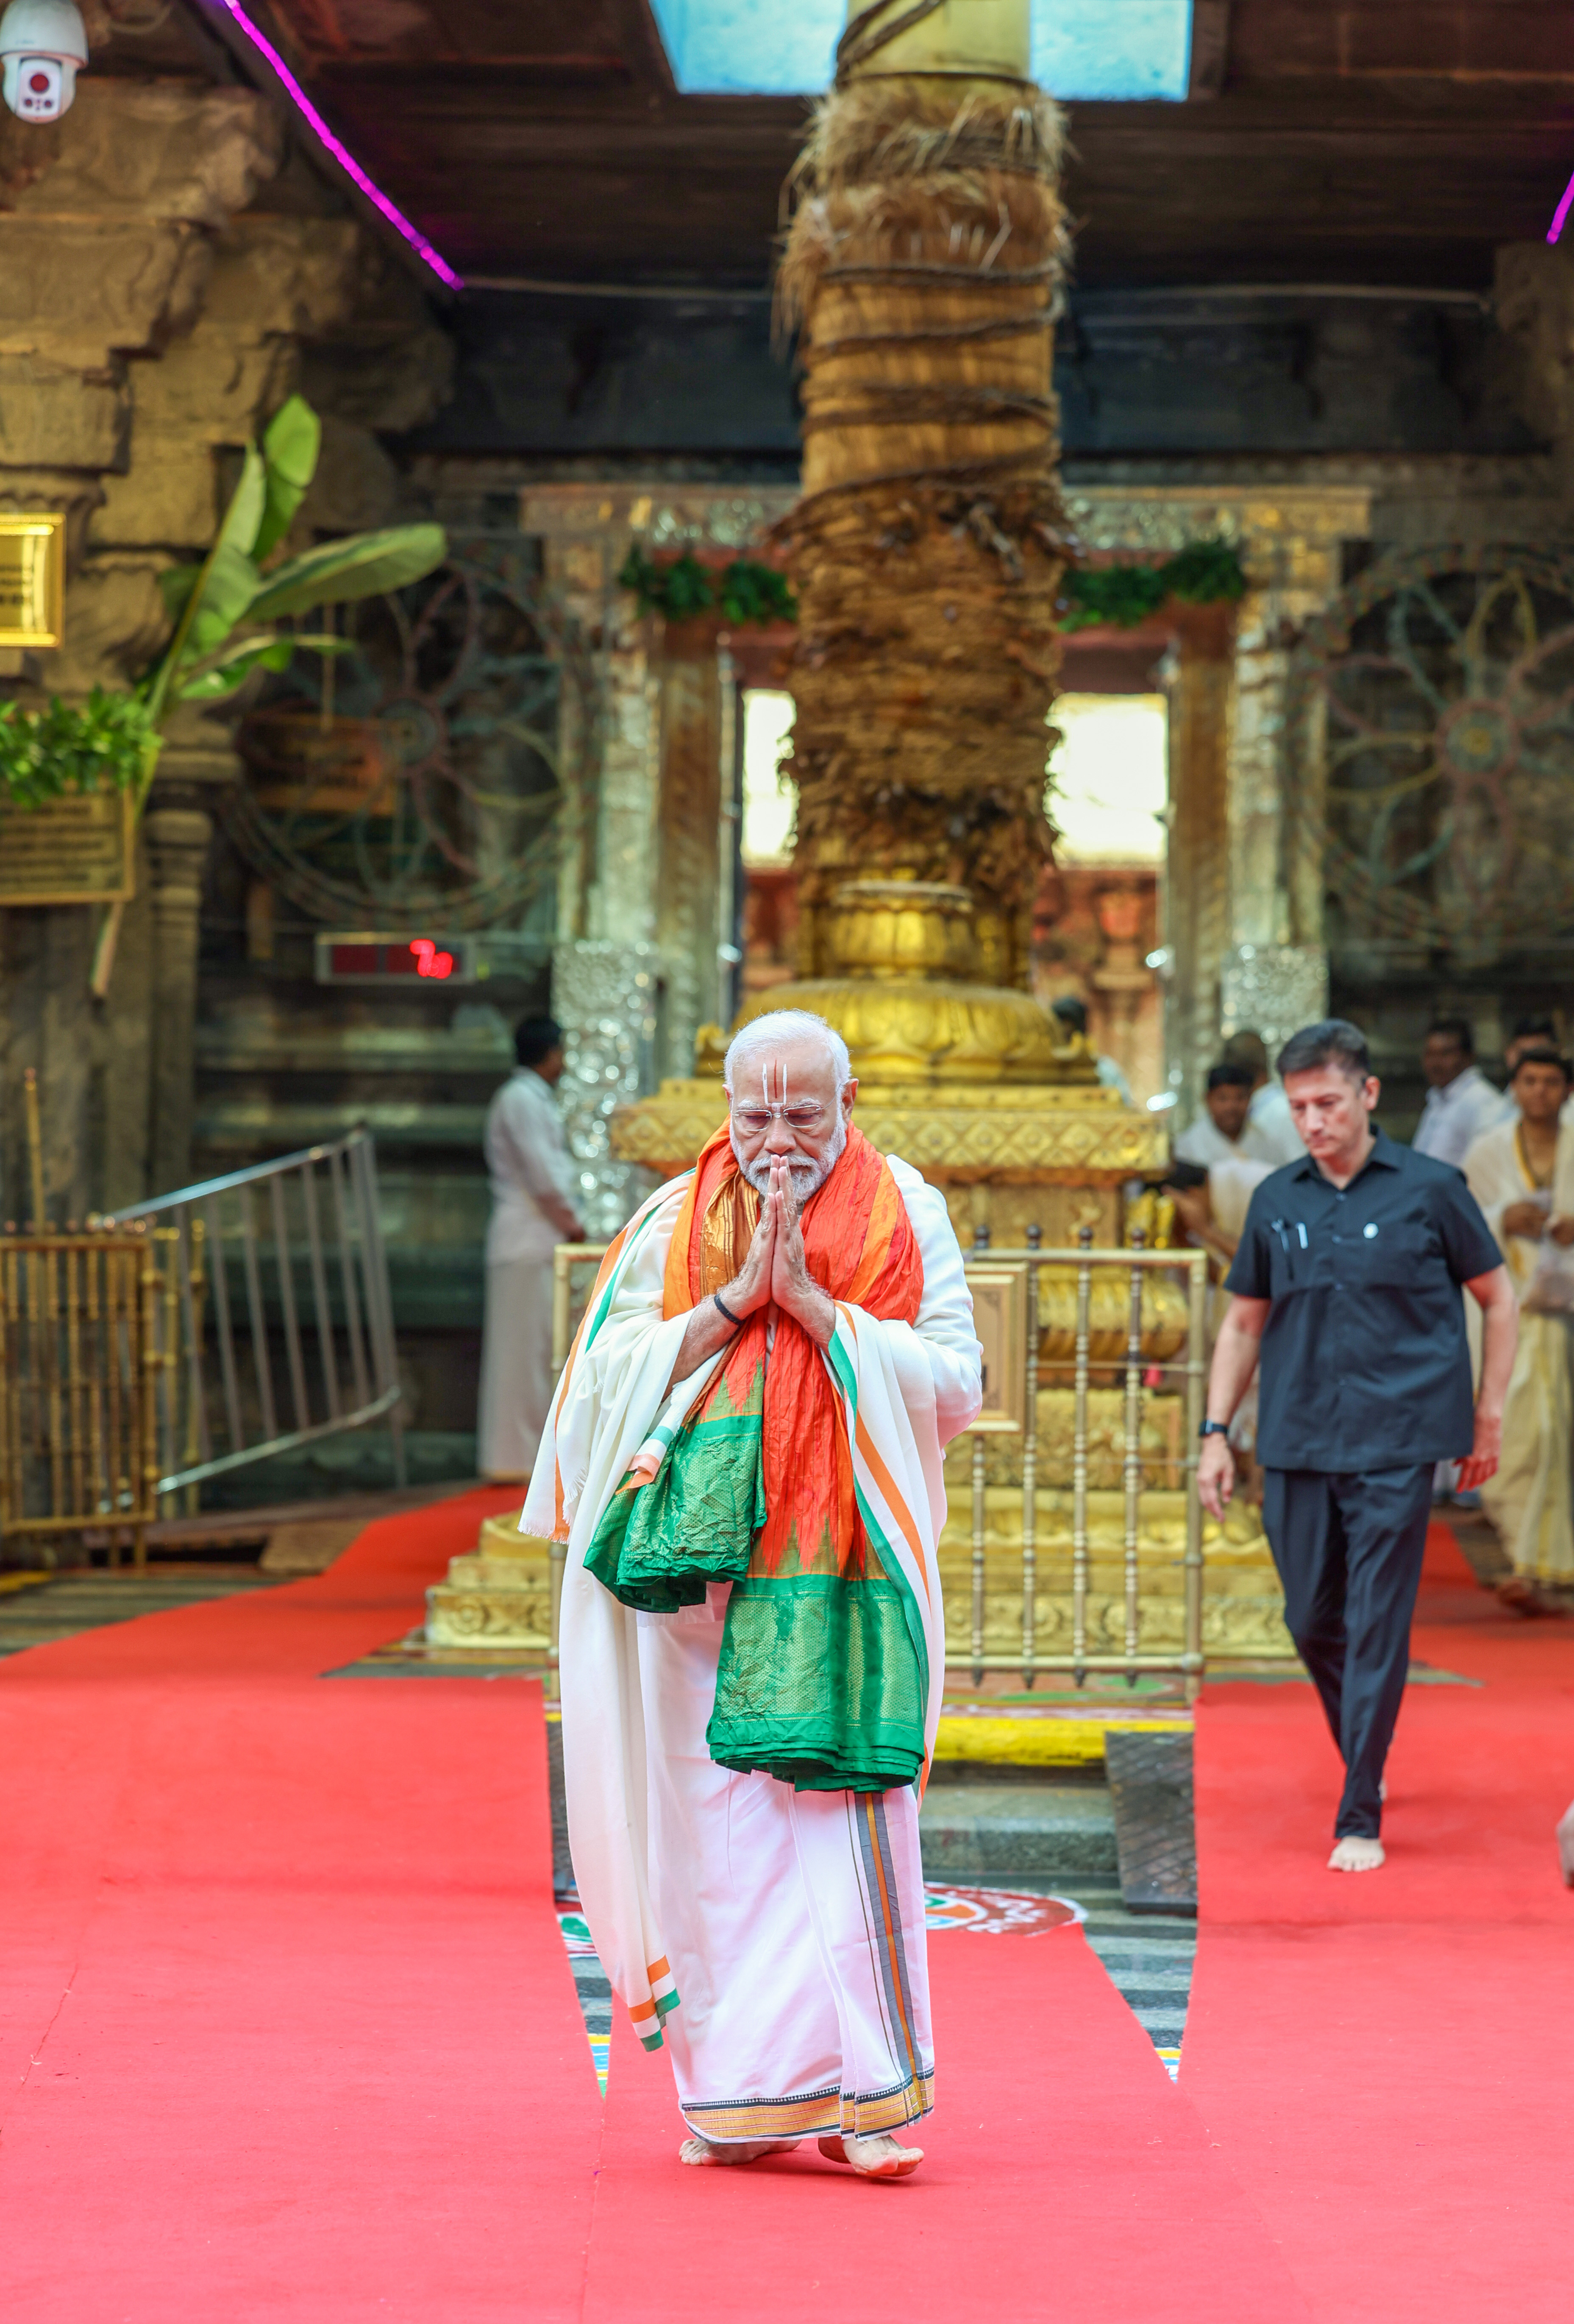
(1036, 1741)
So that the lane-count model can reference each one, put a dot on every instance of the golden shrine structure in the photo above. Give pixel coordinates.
(927, 549)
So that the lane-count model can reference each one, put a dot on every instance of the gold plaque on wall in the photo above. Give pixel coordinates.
(1000, 1320)
(72, 851)
(33, 579)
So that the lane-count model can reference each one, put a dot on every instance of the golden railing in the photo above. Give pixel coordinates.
(78, 1388)
(1026, 1302)
(1012, 1411)
(189, 1336)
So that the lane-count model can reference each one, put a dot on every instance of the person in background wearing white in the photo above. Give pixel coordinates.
(1225, 1132)
(1460, 1102)
(1273, 1131)
(1529, 1033)
(1216, 1135)
(532, 1212)
(1512, 1172)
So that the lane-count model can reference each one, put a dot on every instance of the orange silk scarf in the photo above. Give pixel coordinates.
(860, 1245)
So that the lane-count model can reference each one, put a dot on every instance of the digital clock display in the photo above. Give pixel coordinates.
(374, 958)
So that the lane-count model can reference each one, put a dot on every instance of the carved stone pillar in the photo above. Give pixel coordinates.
(1243, 885)
(692, 833)
(1196, 883)
(177, 843)
(604, 995)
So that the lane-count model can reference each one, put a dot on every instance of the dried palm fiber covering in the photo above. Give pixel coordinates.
(921, 269)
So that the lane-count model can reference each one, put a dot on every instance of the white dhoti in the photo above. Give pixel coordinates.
(793, 1923)
(1530, 1502)
(516, 1367)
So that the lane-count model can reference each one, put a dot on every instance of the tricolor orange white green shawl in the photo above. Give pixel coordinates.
(819, 1681)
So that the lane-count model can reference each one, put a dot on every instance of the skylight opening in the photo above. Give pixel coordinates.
(1086, 52)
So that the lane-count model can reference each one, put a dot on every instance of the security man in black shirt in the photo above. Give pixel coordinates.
(1347, 1283)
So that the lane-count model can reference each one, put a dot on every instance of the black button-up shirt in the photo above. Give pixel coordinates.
(1364, 1363)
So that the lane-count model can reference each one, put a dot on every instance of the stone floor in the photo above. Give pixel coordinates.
(35, 1611)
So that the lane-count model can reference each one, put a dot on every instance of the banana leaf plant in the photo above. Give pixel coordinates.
(227, 611)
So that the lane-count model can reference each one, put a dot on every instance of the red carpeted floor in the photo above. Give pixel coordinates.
(286, 2025)
(1064, 2177)
(286, 2030)
(1383, 2058)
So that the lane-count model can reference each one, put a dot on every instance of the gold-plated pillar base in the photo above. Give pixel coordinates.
(497, 1596)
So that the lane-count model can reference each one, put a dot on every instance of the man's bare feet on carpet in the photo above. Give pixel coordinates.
(1356, 1854)
(880, 2157)
(742, 2150)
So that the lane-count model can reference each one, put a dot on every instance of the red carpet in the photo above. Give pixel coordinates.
(1383, 2057)
(1065, 2177)
(285, 2026)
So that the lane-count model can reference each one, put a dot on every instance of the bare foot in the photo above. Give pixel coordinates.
(1356, 1854)
(742, 2150)
(877, 2157)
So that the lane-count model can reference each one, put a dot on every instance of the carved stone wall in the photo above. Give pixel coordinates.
(1273, 990)
(603, 994)
(642, 881)
(153, 315)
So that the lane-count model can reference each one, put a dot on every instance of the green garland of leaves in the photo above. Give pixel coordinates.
(69, 749)
(746, 594)
(1116, 597)
(77, 748)
(1121, 597)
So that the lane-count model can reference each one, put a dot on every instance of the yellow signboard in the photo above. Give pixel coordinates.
(72, 851)
(33, 579)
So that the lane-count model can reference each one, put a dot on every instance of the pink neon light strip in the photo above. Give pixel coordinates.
(341, 152)
(1559, 215)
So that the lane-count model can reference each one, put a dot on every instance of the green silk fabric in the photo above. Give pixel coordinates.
(659, 1545)
(818, 1683)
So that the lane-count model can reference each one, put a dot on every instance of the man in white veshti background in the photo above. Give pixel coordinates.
(532, 1180)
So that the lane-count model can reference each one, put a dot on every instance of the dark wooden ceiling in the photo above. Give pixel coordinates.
(1352, 141)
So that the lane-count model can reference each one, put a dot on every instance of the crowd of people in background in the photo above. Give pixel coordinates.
(1514, 1140)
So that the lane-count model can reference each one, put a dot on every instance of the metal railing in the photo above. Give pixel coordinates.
(77, 1369)
(274, 1325)
(1134, 1369)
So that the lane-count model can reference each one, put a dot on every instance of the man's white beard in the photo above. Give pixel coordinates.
(808, 1178)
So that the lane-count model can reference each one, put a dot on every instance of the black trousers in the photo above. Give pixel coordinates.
(1349, 1550)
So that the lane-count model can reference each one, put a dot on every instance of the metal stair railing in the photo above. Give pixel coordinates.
(274, 1326)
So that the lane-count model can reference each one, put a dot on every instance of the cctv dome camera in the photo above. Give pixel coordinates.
(42, 43)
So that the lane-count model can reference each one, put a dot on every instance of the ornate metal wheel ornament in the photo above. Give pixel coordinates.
(431, 776)
(1438, 694)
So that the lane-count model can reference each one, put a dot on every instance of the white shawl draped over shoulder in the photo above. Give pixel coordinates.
(905, 1391)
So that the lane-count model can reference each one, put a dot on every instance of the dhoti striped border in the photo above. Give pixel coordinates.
(647, 2015)
(816, 2114)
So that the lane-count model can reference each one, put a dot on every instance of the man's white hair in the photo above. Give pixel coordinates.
(773, 1031)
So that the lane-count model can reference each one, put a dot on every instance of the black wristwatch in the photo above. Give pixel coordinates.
(1214, 1428)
